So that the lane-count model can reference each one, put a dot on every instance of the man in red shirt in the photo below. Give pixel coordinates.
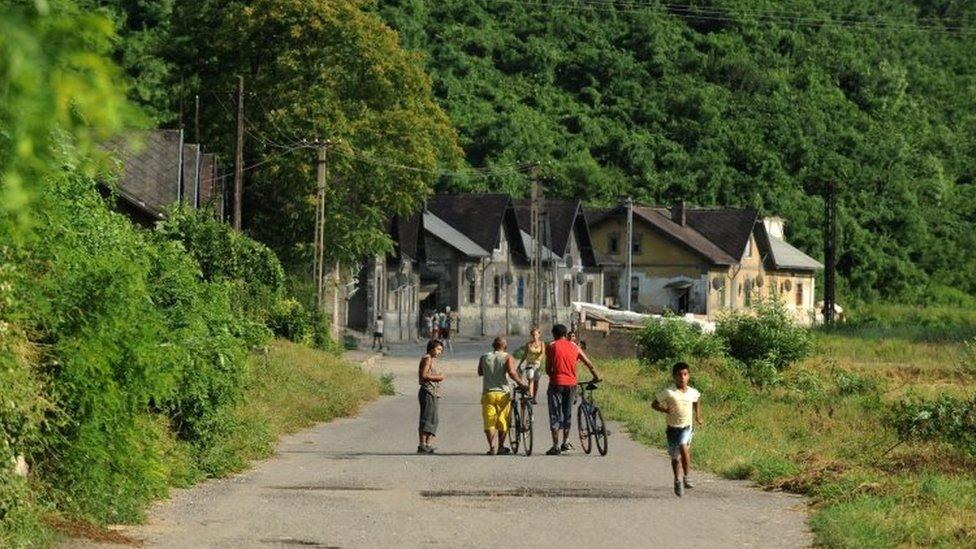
(561, 358)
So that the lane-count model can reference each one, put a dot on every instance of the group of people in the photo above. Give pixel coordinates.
(679, 402)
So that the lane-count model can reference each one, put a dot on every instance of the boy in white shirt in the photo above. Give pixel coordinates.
(681, 402)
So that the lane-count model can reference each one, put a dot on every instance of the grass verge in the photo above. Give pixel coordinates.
(820, 433)
(291, 387)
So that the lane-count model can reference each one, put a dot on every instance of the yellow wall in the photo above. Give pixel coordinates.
(655, 249)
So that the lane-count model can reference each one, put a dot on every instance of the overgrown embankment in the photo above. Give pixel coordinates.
(871, 428)
(134, 360)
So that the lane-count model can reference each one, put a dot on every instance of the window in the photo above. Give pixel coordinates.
(799, 294)
(634, 290)
(614, 243)
(567, 293)
(520, 292)
(471, 292)
(748, 248)
(589, 291)
(497, 290)
(636, 244)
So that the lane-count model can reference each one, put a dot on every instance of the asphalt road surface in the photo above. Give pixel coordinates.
(358, 482)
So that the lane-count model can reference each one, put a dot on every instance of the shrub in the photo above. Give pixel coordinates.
(767, 336)
(946, 419)
(669, 339)
(290, 319)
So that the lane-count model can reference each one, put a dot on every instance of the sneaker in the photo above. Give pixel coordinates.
(688, 483)
(490, 452)
(679, 488)
(423, 449)
(504, 451)
(566, 447)
(554, 451)
(534, 402)
(431, 449)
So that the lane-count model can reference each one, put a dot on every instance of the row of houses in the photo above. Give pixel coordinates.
(470, 253)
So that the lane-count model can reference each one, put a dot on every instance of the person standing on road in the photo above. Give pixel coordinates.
(429, 322)
(429, 379)
(561, 358)
(682, 404)
(495, 368)
(378, 333)
(532, 354)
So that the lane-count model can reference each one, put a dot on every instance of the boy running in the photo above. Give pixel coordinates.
(681, 402)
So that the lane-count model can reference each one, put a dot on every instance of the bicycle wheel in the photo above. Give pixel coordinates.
(600, 431)
(583, 425)
(526, 427)
(513, 427)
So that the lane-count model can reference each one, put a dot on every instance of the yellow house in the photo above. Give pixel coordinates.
(700, 260)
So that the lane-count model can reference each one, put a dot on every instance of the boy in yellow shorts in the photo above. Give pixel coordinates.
(495, 368)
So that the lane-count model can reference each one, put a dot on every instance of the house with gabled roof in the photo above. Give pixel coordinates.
(470, 252)
(701, 260)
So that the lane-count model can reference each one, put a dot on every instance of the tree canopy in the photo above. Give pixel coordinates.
(730, 102)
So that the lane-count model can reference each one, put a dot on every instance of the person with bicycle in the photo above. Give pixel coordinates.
(682, 404)
(532, 354)
(495, 367)
(562, 355)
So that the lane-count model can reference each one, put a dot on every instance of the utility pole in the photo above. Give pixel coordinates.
(196, 118)
(536, 259)
(319, 261)
(630, 251)
(830, 250)
(239, 155)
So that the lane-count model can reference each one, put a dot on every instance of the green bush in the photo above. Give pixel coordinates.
(290, 319)
(669, 339)
(947, 419)
(766, 336)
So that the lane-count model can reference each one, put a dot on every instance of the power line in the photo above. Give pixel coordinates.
(739, 16)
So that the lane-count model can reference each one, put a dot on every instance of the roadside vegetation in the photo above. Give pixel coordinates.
(876, 425)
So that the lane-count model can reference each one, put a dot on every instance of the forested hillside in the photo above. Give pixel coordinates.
(731, 102)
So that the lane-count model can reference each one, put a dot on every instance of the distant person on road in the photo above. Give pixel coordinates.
(444, 328)
(378, 333)
(495, 368)
(561, 358)
(429, 379)
(532, 353)
(429, 323)
(682, 404)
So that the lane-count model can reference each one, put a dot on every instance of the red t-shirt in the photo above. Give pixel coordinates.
(562, 356)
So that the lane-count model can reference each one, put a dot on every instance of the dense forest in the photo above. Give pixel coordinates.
(730, 102)
(721, 102)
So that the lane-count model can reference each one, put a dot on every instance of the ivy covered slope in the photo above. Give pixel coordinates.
(731, 102)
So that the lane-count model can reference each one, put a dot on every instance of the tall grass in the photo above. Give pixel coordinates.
(821, 432)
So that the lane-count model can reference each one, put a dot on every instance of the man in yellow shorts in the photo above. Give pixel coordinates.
(495, 368)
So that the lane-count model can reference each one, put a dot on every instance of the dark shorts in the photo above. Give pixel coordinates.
(561, 398)
(678, 437)
(445, 333)
(378, 335)
(428, 412)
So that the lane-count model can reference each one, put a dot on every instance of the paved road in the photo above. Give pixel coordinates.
(358, 483)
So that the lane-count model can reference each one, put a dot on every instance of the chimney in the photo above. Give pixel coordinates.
(678, 214)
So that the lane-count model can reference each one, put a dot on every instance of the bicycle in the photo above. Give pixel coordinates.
(520, 432)
(589, 420)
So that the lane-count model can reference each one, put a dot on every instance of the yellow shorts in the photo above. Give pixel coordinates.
(494, 410)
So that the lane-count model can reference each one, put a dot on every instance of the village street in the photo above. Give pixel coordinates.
(358, 483)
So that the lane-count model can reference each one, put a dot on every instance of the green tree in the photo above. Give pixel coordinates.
(316, 70)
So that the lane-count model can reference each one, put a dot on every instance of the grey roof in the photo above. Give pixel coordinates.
(785, 256)
(452, 237)
(529, 243)
(150, 168)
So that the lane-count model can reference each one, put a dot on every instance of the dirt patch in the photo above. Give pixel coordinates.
(298, 542)
(89, 531)
(525, 492)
